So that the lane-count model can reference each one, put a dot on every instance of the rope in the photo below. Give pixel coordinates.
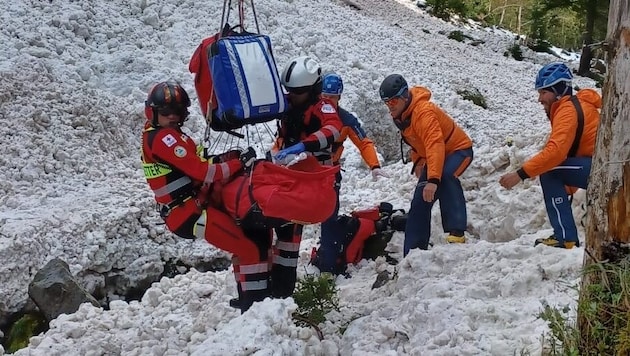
(607, 164)
(224, 143)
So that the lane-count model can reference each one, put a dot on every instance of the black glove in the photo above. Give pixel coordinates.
(247, 158)
(227, 156)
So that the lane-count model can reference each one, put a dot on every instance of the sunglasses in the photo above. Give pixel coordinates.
(299, 90)
(398, 95)
(169, 110)
(392, 101)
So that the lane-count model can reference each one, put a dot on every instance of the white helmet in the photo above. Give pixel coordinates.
(300, 72)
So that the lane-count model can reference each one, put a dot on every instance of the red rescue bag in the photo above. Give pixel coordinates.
(303, 193)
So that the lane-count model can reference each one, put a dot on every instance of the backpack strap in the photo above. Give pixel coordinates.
(580, 126)
(402, 154)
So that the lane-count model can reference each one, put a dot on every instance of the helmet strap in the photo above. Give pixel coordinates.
(154, 121)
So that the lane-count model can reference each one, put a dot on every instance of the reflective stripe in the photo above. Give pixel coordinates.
(336, 133)
(567, 167)
(212, 171)
(172, 186)
(323, 140)
(555, 207)
(199, 228)
(225, 169)
(256, 268)
(254, 285)
(288, 246)
(238, 78)
(284, 261)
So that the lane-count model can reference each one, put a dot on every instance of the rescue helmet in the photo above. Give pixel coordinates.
(302, 74)
(332, 84)
(166, 98)
(393, 86)
(556, 77)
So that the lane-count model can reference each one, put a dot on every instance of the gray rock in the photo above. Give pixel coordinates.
(55, 291)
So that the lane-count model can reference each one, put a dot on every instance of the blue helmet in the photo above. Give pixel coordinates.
(552, 74)
(332, 84)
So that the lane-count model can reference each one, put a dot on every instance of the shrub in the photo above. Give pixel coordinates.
(315, 296)
(604, 308)
(475, 96)
(444, 8)
(456, 35)
(515, 51)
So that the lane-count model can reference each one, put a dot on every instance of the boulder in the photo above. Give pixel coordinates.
(55, 291)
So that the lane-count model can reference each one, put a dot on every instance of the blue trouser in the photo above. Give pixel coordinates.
(331, 240)
(574, 172)
(452, 203)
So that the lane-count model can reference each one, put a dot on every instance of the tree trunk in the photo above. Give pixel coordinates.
(587, 51)
(608, 195)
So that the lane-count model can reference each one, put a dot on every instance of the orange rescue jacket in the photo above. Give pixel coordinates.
(431, 133)
(563, 118)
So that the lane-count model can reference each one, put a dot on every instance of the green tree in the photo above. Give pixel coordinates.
(593, 13)
(445, 8)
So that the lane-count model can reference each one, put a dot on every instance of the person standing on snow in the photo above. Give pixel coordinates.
(565, 161)
(310, 125)
(330, 255)
(182, 183)
(440, 150)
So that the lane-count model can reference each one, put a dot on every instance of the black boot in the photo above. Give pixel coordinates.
(236, 302)
(398, 222)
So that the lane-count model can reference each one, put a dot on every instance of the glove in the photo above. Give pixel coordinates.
(247, 158)
(226, 156)
(376, 172)
(295, 150)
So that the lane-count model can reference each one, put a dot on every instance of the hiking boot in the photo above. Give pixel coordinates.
(452, 239)
(398, 222)
(551, 241)
(235, 303)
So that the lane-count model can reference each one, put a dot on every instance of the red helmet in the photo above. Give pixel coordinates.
(166, 95)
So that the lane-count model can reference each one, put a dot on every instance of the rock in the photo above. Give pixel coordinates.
(55, 291)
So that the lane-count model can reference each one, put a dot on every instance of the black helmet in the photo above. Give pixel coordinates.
(393, 86)
(166, 95)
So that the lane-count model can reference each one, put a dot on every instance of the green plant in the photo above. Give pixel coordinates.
(604, 309)
(29, 325)
(539, 46)
(563, 335)
(475, 96)
(315, 296)
(445, 8)
(515, 51)
(456, 35)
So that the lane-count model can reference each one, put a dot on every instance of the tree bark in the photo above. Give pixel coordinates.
(608, 194)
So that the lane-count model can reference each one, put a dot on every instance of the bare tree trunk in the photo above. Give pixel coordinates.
(587, 51)
(503, 13)
(520, 11)
(608, 195)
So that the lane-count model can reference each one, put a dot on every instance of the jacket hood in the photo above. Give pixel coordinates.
(590, 96)
(419, 94)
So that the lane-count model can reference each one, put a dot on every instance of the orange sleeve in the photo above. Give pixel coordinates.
(563, 128)
(366, 148)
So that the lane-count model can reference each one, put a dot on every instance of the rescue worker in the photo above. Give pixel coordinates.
(566, 158)
(440, 151)
(330, 255)
(182, 183)
(310, 125)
